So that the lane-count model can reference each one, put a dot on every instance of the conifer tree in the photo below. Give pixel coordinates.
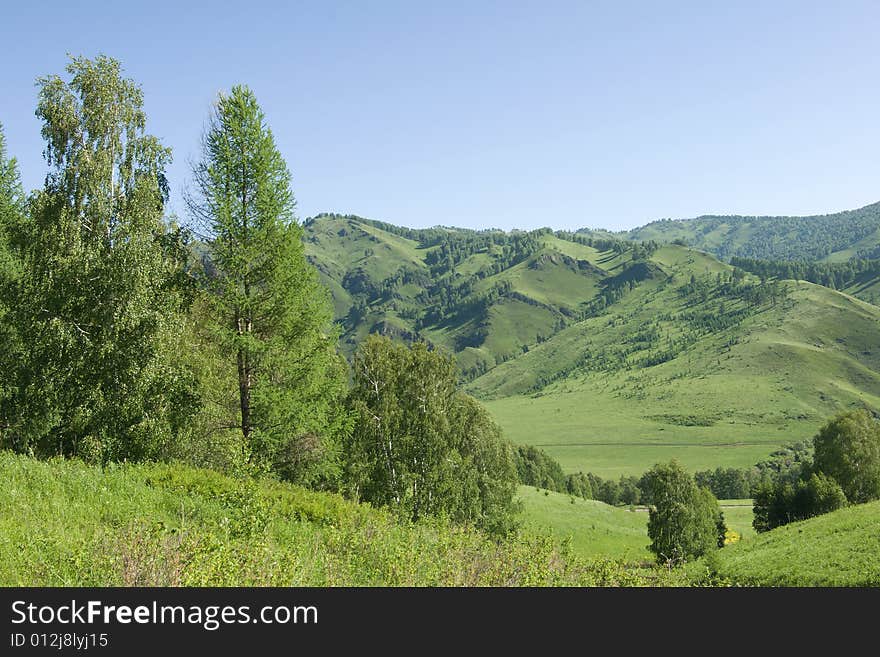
(267, 314)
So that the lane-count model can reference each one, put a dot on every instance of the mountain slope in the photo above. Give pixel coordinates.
(610, 355)
(726, 395)
(829, 237)
(485, 295)
(727, 399)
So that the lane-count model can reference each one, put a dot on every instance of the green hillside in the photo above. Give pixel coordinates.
(68, 524)
(610, 355)
(596, 529)
(836, 549)
(727, 398)
(484, 295)
(866, 288)
(738, 516)
(829, 237)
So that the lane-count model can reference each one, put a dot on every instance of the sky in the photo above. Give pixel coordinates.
(496, 114)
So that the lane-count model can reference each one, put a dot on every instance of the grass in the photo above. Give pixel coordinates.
(595, 529)
(65, 523)
(738, 515)
(549, 277)
(837, 549)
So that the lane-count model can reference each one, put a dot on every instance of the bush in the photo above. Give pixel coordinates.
(783, 502)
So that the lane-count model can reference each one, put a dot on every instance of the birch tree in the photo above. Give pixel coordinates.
(421, 447)
(96, 311)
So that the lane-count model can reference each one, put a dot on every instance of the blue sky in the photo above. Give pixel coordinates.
(507, 114)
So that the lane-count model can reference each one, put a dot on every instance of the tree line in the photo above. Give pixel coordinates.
(838, 467)
(845, 469)
(835, 275)
(785, 465)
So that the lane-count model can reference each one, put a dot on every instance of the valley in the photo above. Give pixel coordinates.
(609, 355)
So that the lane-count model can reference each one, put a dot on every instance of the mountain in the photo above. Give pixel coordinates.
(609, 354)
(829, 237)
(484, 295)
(607, 395)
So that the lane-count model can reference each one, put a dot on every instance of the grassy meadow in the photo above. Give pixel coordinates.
(594, 528)
(65, 523)
(789, 369)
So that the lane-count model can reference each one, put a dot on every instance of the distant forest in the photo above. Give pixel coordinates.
(775, 238)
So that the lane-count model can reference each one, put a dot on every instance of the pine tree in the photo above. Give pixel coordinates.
(11, 216)
(267, 314)
(11, 204)
(97, 319)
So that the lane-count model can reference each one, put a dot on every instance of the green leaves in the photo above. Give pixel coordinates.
(845, 469)
(11, 218)
(97, 317)
(848, 450)
(265, 313)
(685, 521)
(421, 447)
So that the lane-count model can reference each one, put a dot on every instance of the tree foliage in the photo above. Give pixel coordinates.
(783, 502)
(770, 238)
(847, 449)
(787, 464)
(98, 322)
(845, 469)
(535, 467)
(421, 447)
(685, 521)
(11, 216)
(12, 204)
(266, 313)
(836, 275)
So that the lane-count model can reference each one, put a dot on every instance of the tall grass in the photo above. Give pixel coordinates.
(65, 523)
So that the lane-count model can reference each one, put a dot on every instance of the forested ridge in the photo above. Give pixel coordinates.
(852, 233)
